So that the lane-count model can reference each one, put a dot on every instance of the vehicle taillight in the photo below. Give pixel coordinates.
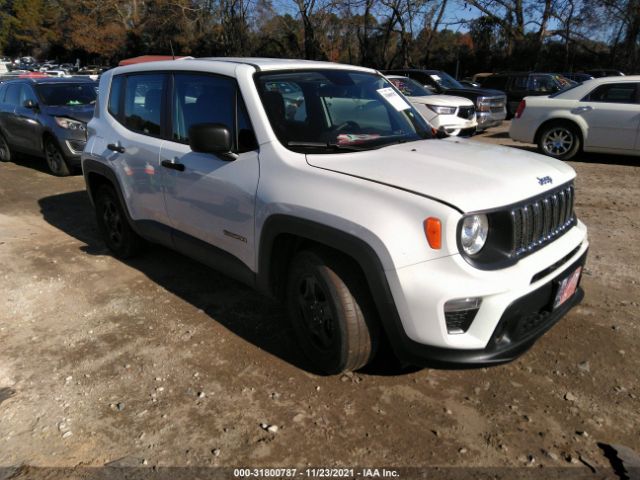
(520, 109)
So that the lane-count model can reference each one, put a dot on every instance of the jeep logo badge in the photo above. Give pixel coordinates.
(544, 180)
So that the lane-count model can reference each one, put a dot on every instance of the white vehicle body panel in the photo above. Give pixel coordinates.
(381, 197)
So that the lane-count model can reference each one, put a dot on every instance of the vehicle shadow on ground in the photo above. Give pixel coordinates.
(602, 158)
(35, 163)
(248, 314)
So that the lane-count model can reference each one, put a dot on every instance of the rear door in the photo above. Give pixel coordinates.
(131, 143)
(6, 109)
(209, 197)
(28, 126)
(10, 127)
(612, 113)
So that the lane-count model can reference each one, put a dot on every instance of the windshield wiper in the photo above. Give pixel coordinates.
(325, 145)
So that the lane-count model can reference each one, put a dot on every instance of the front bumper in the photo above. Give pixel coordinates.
(490, 119)
(515, 309)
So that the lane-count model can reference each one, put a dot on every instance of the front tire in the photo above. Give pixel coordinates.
(55, 159)
(114, 226)
(560, 140)
(332, 312)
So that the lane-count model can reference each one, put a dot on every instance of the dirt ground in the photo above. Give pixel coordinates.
(161, 362)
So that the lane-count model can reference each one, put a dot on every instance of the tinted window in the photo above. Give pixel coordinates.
(495, 82)
(26, 93)
(246, 137)
(67, 94)
(519, 83)
(13, 94)
(115, 92)
(542, 83)
(143, 103)
(614, 93)
(201, 99)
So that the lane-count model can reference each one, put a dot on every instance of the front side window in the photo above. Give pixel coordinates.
(201, 99)
(615, 93)
(13, 94)
(337, 110)
(67, 94)
(143, 103)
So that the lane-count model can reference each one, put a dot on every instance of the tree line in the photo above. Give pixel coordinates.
(458, 36)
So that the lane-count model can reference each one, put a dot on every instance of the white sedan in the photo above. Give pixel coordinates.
(457, 115)
(601, 115)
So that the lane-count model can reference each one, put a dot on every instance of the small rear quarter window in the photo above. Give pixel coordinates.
(115, 93)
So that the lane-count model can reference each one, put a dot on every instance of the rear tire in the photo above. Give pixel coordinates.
(114, 226)
(560, 140)
(55, 159)
(332, 312)
(5, 151)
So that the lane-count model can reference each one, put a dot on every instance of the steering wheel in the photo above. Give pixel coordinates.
(348, 124)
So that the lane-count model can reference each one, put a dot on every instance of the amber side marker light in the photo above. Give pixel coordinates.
(433, 229)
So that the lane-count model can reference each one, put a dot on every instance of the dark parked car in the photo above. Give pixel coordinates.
(46, 117)
(518, 85)
(490, 104)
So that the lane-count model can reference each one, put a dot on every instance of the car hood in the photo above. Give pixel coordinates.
(476, 92)
(441, 100)
(78, 112)
(465, 174)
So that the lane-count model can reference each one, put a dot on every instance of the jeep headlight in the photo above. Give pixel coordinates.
(473, 233)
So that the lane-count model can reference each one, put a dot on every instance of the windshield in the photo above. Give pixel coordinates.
(409, 87)
(337, 110)
(67, 94)
(446, 81)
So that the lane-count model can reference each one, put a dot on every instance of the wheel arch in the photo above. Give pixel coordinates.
(580, 125)
(283, 235)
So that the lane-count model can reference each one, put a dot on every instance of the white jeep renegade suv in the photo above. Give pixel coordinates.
(320, 184)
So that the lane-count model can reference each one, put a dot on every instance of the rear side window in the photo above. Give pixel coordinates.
(519, 83)
(115, 94)
(13, 94)
(143, 103)
(495, 81)
(615, 93)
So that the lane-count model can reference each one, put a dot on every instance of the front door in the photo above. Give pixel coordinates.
(209, 197)
(612, 113)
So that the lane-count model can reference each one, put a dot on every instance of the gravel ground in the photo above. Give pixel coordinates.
(161, 362)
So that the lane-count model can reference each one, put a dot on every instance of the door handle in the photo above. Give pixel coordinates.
(586, 108)
(173, 164)
(116, 147)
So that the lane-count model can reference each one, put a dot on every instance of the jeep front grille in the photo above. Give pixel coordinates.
(543, 219)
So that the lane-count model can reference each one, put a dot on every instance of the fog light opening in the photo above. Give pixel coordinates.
(460, 313)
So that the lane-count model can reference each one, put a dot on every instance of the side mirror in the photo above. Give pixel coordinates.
(30, 104)
(212, 138)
